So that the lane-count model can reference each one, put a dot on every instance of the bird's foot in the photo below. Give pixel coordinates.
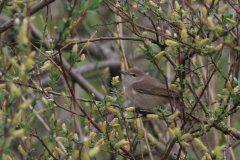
(137, 111)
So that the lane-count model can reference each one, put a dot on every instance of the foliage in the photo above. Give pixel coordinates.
(44, 114)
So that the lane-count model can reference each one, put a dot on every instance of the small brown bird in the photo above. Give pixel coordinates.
(147, 93)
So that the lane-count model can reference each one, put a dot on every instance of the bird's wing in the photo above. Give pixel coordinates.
(155, 87)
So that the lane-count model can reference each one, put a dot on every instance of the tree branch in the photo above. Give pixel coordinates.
(33, 10)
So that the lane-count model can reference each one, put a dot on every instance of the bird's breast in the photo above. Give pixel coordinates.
(146, 101)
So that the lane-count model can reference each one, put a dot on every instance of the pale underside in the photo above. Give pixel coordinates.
(148, 102)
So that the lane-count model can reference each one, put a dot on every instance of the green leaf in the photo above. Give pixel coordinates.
(7, 152)
(73, 57)
(93, 5)
(40, 42)
(45, 36)
(66, 35)
(226, 15)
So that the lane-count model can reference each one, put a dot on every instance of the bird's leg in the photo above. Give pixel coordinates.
(137, 110)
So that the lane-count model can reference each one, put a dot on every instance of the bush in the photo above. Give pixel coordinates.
(61, 90)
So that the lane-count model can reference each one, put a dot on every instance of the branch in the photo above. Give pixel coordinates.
(33, 10)
(73, 73)
(35, 135)
(225, 130)
(80, 80)
(165, 156)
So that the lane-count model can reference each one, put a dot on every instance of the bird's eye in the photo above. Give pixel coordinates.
(134, 75)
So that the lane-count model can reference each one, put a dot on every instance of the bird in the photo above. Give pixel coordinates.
(147, 93)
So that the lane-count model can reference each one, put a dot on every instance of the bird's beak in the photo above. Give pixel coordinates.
(124, 72)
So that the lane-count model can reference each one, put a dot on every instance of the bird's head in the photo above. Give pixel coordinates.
(132, 75)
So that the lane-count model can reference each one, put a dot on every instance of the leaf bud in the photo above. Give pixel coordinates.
(171, 43)
(75, 136)
(185, 144)
(134, 6)
(65, 98)
(86, 129)
(64, 128)
(88, 44)
(20, 149)
(176, 5)
(184, 34)
(175, 87)
(48, 89)
(141, 133)
(130, 109)
(59, 151)
(3, 86)
(188, 92)
(144, 34)
(46, 66)
(173, 116)
(231, 21)
(101, 142)
(122, 143)
(61, 139)
(199, 90)
(159, 10)
(160, 54)
(114, 111)
(204, 41)
(15, 91)
(152, 4)
(49, 52)
(71, 40)
(103, 126)
(44, 101)
(172, 134)
(9, 158)
(18, 133)
(209, 47)
(197, 9)
(163, 1)
(35, 84)
(82, 58)
(152, 116)
(106, 71)
(208, 156)
(18, 117)
(168, 33)
(156, 130)
(150, 137)
(225, 91)
(204, 12)
(177, 131)
(236, 89)
(114, 121)
(229, 85)
(186, 136)
(199, 143)
(115, 80)
(219, 47)
(204, 158)
(104, 90)
(75, 48)
(142, 47)
(223, 9)
(138, 121)
(25, 104)
(211, 120)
